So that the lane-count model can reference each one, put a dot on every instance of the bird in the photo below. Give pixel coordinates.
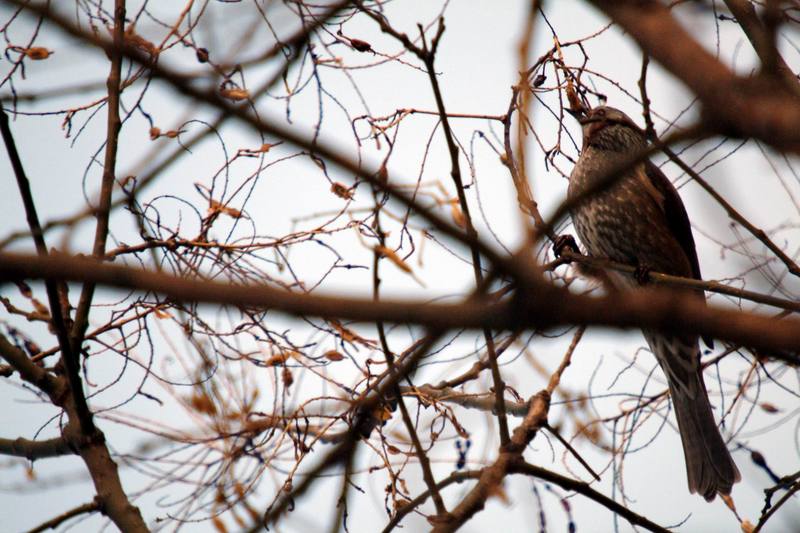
(641, 221)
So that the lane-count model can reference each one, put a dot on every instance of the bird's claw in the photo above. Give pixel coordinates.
(642, 274)
(564, 242)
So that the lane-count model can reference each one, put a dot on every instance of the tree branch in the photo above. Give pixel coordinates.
(758, 106)
(584, 489)
(53, 523)
(36, 449)
(537, 306)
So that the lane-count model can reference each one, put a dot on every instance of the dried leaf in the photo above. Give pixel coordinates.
(263, 149)
(286, 377)
(393, 257)
(160, 313)
(37, 53)
(348, 335)
(769, 408)
(219, 525)
(261, 424)
(383, 413)
(747, 526)
(234, 93)
(393, 450)
(202, 403)
(341, 190)
(277, 360)
(217, 207)
(155, 133)
(333, 355)
(458, 215)
(134, 39)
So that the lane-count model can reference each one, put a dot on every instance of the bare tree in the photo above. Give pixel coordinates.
(279, 270)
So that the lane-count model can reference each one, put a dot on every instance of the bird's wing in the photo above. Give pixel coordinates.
(667, 198)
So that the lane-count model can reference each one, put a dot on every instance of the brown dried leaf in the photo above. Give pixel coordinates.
(747, 526)
(219, 525)
(260, 424)
(37, 53)
(393, 257)
(217, 207)
(350, 336)
(277, 360)
(234, 93)
(383, 414)
(286, 377)
(160, 313)
(333, 355)
(134, 39)
(341, 190)
(458, 215)
(769, 408)
(155, 133)
(201, 402)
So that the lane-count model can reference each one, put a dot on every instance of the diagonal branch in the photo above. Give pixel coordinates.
(58, 321)
(757, 106)
(762, 39)
(584, 489)
(53, 523)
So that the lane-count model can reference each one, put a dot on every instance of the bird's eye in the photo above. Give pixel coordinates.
(600, 112)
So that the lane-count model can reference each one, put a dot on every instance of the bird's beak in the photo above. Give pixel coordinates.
(577, 114)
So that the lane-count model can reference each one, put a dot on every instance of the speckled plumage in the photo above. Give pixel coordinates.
(640, 220)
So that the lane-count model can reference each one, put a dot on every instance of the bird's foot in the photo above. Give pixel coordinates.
(565, 242)
(642, 274)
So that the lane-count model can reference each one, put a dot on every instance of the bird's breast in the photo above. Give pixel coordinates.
(621, 223)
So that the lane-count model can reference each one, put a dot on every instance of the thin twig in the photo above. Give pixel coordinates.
(53, 523)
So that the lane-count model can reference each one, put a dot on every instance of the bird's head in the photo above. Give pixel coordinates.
(607, 128)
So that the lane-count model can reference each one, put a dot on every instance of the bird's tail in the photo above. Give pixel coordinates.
(709, 466)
